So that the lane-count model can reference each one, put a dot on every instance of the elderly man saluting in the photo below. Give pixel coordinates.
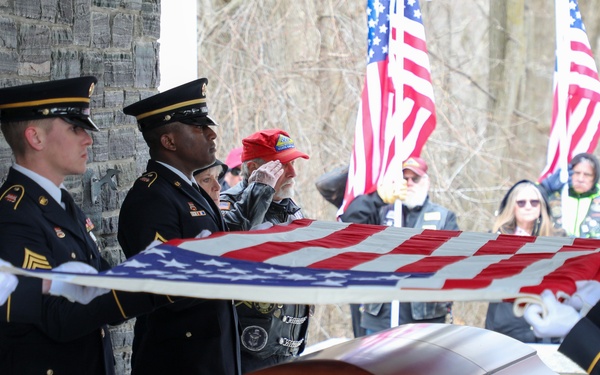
(270, 332)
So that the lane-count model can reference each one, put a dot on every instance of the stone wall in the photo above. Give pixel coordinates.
(116, 41)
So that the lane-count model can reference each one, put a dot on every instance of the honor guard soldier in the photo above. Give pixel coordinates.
(196, 336)
(271, 332)
(46, 126)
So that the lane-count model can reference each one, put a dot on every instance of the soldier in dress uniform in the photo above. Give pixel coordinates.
(195, 336)
(46, 126)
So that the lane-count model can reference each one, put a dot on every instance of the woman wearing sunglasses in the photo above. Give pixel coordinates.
(523, 211)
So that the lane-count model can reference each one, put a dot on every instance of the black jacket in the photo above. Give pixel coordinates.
(370, 209)
(40, 333)
(270, 332)
(194, 336)
(582, 344)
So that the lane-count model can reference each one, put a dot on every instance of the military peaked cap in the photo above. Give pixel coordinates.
(65, 98)
(185, 104)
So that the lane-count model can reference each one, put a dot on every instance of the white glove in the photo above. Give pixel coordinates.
(73, 292)
(204, 233)
(8, 283)
(559, 321)
(267, 173)
(585, 297)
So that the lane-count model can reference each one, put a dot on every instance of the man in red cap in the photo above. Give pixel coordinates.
(417, 212)
(270, 332)
(234, 174)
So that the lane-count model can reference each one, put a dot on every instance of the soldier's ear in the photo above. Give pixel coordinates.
(35, 137)
(167, 140)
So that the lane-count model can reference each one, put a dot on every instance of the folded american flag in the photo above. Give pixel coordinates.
(322, 262)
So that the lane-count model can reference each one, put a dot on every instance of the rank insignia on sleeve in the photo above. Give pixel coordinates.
(59, 232)
(34, 261)
(158, 237)
(198, 213)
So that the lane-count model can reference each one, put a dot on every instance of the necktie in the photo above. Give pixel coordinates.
(69, 203)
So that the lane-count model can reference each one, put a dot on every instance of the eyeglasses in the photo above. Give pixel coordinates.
(235, 171)
(415, 179)
(533, 202)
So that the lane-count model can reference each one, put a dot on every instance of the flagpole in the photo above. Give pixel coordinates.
(563, 63)
(395, 72)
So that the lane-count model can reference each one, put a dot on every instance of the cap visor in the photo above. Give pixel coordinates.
(286, 156)
(199, 121)
(418, 171)
(84, 122)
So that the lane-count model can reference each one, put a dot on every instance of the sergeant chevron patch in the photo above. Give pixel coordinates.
(35, 261)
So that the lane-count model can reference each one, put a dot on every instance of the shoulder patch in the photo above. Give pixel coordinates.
(148, 178)
(13, 195)
(224, 206)
(34, 261)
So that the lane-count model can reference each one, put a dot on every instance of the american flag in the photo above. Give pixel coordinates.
(389, 130)
(574, 119)
(323, 262)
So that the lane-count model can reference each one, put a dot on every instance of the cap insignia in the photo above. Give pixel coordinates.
(91, 91)
(204, 90)
(283, 143)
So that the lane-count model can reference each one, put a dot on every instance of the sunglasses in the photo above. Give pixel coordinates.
(414, 179)
(533, 202)
(236, 171)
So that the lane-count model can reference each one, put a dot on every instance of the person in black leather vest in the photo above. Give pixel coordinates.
(270, 332)
(417, 212)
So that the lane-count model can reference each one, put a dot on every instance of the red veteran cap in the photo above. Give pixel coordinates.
(416, 165)
(270, 144)
(234, 158)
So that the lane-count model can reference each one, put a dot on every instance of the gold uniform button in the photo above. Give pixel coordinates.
(102, 332)
(188, 334)
(73, 256)
(49, 372)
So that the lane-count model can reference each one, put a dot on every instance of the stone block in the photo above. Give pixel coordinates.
(121, 143)
(146, 65)
(61, 36)
(122, 30)
(28, 8)
(113, 99)
(65, 12)
(8, 33)
(151, 24)
(82, 24)
(132, 4)
(100, 30)
(34, 43)
(49, 10)
(9, 62)
(107, 3)
(65, 64)
(92, 64)
(118, 69)
(99, 150)
(110, 224)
